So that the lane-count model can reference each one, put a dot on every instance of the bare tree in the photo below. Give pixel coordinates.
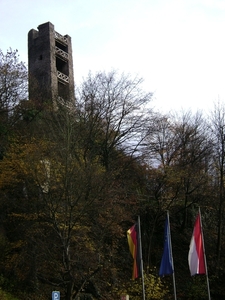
(13, 89)
(178, 148)
(119, 106)
(217, 128)
(13, 81)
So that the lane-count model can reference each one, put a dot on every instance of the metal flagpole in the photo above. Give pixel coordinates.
(206, 269)
(140, 247)
(174, 282)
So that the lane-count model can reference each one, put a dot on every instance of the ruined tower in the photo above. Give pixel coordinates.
(50, 64)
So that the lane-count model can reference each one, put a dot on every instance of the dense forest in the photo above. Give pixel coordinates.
(74, 178)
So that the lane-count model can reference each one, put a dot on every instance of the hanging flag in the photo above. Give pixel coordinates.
(196, 257)
(133, 241)
(166, 267)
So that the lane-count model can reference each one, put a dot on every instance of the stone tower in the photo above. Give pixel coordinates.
(50, 64)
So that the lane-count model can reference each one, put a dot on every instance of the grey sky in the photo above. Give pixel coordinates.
(177, 46)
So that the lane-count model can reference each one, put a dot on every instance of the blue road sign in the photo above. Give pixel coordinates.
(55, 295)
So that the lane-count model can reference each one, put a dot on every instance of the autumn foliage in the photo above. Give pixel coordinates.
(73, 179)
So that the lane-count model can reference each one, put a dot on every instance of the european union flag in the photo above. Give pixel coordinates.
(166, 267)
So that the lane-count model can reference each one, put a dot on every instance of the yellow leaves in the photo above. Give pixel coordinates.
(154, 288)
(25, 216)
(21, 160)
(6, 296)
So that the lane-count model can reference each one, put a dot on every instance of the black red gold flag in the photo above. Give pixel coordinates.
(133, 241)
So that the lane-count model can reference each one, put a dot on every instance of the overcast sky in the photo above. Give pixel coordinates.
(176, 46)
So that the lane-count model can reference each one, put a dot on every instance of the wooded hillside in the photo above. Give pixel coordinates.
(73, 180)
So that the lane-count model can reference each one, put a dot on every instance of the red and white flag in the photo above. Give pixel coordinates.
(196, 258)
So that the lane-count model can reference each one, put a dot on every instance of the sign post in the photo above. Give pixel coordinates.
(55, 295)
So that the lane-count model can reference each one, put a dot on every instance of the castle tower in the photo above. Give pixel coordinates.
(50, 64)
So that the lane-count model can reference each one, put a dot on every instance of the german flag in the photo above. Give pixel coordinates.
(133, 242)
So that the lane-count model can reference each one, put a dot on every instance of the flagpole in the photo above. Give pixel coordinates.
(174, 282)
(206, 268)
(140, 247)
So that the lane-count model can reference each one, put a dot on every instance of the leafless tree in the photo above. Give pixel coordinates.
(119, 107)
(13, 89)
(13, 81)
(217, 131)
